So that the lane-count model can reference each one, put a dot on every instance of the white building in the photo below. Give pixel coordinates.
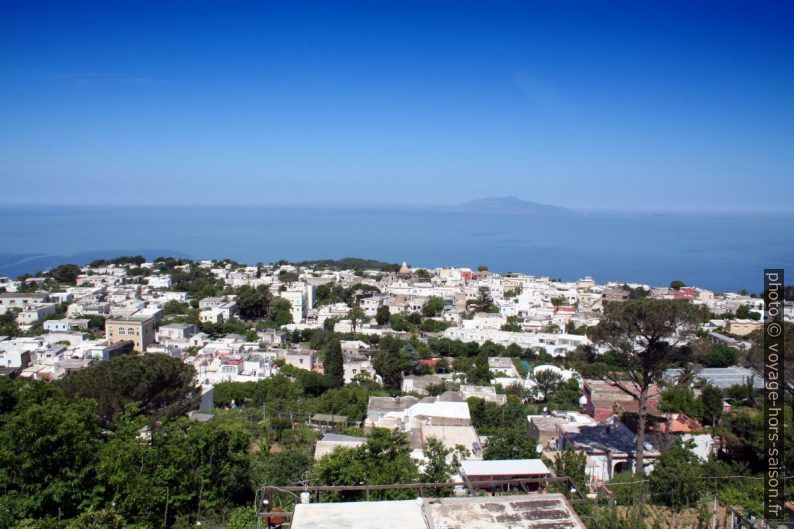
(177, 332)
(163, 281)
(32, 315)
(298, 297)
(12, 300)
(555, 344)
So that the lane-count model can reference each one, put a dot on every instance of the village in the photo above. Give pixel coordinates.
(439, 350)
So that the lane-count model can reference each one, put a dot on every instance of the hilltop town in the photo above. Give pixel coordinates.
(473, 375)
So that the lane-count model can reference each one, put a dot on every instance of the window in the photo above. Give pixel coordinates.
(130, 331)
(121, 332)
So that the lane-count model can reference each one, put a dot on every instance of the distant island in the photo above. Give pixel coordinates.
(509, 205)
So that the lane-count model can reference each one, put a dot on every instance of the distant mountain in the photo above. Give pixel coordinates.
(509, 205)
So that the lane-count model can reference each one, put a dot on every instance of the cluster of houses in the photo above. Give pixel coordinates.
(528, 311)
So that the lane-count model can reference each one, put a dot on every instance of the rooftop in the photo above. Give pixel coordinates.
(131, 319)
(603, 437)
(505, 467)
(180, 326)
(529, 511)
(723, 377)
(388, 404)
(338, 438)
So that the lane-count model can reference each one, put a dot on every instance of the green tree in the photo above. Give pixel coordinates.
(643, 334)
(414, 318)
(48, 522)
(489, 418)
(513, 324)
(242, 518)
(8, 324)
(185, 467)
(356, 315)
(676, 478)
(480, 372)
(102, 519)
(160, 383)
(558, 301)
(280, 311)
(484, 302)
(422, 274)
(385, 458)
(382, 315)
(677, 284)
(288, 466)
(175, 307)
(439, 467)
(253, 303)
(48, 452)
(433, 307)
(717, 355)
(65, 273)
(565, 396)
(350, 401)
(680, 399)
(388, 366)
(430, 325)
(744, 312)
(547, 381)
(510, 443)
(333, 364)
(571, 463)
(399, 323)
(711, 404)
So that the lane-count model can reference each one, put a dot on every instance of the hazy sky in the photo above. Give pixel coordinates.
(640, 105)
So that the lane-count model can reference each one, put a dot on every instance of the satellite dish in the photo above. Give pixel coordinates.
(582, 400)
(539, 448)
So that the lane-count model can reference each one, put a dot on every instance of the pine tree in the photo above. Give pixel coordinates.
(334, 364)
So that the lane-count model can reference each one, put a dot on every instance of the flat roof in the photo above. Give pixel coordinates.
(338, 438)
(451, 436)
(723, 377)
(403, 514)
(446, 409)
(180, 326)
(130, 319)
(528, 511)
(505, 467)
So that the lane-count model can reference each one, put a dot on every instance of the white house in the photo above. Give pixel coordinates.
(177, 332)
(162, 281)
(32, 315)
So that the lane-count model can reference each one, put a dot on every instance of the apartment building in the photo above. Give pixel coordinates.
(138, 329)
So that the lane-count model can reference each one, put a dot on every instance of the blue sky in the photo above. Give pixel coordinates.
(597, 105)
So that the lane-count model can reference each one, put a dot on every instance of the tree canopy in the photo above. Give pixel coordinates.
(159, 383)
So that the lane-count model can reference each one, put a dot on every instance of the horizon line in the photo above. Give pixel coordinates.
(442, 208)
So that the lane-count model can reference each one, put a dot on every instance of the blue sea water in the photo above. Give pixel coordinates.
(719, 252)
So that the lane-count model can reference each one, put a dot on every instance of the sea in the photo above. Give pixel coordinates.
(720, 252)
